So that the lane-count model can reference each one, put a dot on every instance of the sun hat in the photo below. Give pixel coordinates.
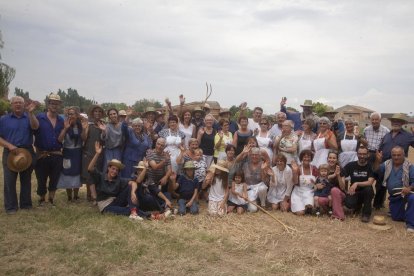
(140, 165)
(206, 106)
(330, 109)
(116, 163)
(189, 165)
(122, 113)
(19, 160)
(54, 97)
(221, 165)
(399, 117)
(92, 109)
(148, 110)
(198, 109)
(379, 223)
(307, 103)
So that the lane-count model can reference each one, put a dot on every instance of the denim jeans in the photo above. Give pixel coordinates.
(402, 209)
(10, 179)
(122, 204)
(48, 167)
(182, 209)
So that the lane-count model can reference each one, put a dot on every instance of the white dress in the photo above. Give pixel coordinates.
(188, 133)
(173, 147)
(264, 142)
(321, 152)
(282, 187)
(302, 194)
(236, 199)
(349, 151)
(304, 144)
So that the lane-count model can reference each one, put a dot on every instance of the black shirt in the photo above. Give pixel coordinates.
(357, 172)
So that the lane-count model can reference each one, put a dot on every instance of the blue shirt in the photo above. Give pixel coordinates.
(16, 130)
(186, 187)
(395, 178)
(46, 137)
(296, 118)
(403, 139)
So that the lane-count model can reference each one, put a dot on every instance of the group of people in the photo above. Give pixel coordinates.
(140, 167)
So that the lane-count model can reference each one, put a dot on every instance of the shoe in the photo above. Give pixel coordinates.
(42, 202)
(410, 230)
(330, 211)
(157, 216)
(167, 213)
(51, 202)
(175, 211)
(135, 217)
(317, 212)
(365, 219)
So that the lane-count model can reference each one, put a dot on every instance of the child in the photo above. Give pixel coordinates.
(187, 186)
(237, 194)
(200, 166)
(324, 191)
(217, 179)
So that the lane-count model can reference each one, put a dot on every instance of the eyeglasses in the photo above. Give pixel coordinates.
(263, 124)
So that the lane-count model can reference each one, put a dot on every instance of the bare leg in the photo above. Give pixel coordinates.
(240, 210)
(69, 194)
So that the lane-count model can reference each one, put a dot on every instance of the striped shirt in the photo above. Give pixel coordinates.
(156, 175)
(374, 137)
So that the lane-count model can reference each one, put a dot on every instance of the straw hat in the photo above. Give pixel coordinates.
(54, 97)
(379, 223)
(92, 109)
(122, 113)
(206, 106)
(330, 109)
(189, 165)
(198, 109)
(140, 165)
(19, 160)
(307, 103)
(221, 165)
(399, 117)
(116, 163)
(148, 110)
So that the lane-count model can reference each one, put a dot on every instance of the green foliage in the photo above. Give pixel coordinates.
(140, 105)
(118, 106)
(72, 98)
(26, 96)
(291, 109)
(4, 106)
(7, 74)
(319, 108)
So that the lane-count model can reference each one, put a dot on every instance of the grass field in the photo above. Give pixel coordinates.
(73, 238)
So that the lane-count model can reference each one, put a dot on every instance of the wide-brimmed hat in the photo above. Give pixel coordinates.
(224, 110)
(116, 163)
(93, 107)
(206, 106)
(399, 117)
(330, 109)
(148, 110)
(379, 223)
(140, 165)
(189, 165)
(221, 165)
(54, 97)
(122, 112)
(307, 103)
(198, 109)
(19, 160)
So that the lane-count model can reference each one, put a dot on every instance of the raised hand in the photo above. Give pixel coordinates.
(167, 155)
(378, 156)
(84, 123)
(295, 166)
(67, 123)
(173, 176)
(283, 101)
(129, 111)
(337, 170)
(32, 106)
(182, 99)
(98, 147)
(102, 126)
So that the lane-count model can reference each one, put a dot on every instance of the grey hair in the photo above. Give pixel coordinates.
(281, 113)
(16, 98)
(349, 120)
(255, 150)
(325, 120)
(375, 114)
(161, 139)
(209, 116)
(137, 121)
(290, 122)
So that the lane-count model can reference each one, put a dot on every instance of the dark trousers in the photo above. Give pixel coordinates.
(149, 201)
(48, 167)
(361, 199)
(380, 194)
(122, 204)
(10, 179)
(402, 209)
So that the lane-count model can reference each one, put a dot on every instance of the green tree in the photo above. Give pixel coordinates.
(21, 93)
(141, 105)
(118, 106)
(7, 74)
(71, 97)
(319, 108)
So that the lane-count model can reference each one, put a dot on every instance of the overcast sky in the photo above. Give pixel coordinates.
(336, 52)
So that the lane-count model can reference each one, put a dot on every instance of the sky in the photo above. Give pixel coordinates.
(335, 52)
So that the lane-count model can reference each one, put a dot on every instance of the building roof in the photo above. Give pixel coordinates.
(349, 106)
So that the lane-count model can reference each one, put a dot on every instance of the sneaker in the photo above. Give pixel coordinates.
(317, 211)
(175, 211)
(410, 230)
(330, 211)
(365, 219)
(167, 213)
(135, 217)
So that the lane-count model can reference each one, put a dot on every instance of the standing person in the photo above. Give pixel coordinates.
(241, 135)
(348, 144)
(225, 114)
(72, 138)
(186, 126)
(374, 134)
(264, 138)
(398, 177)
(299, 117)
(217, 180)
(198, 118)
(137, 142)
(397, 137)
(305, 177)
(337, 126)
(205, 139)
(306, 138)
(174, 138)
(281, 184)
(112, 137)
(277, 128)
(287, 142)
(221, 140)
(324, 141)
(92, 134)
(49, 149)
(360, 192)
(16, 136)
(253, 123)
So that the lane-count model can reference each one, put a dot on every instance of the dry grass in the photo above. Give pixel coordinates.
(75, 239)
